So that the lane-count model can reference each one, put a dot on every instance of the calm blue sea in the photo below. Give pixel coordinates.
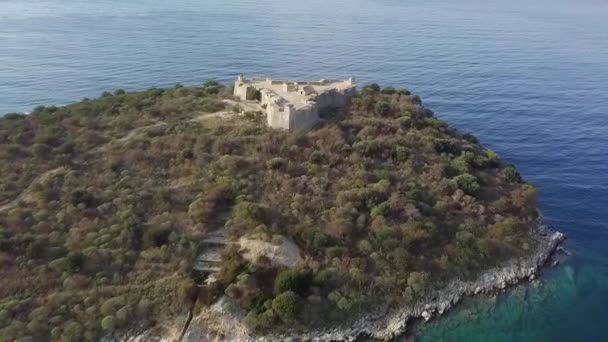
(529, 78)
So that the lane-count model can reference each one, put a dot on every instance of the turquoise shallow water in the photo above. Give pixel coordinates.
(530, 79)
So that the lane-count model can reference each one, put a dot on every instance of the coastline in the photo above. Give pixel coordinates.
(384, 323)
(388, 322)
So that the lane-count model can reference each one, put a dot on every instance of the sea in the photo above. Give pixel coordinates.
(529, 78)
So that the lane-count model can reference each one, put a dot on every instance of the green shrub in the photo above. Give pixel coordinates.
(511, 174)
(493, 159)
(108, 323)
(247, 211)
(291, 280)
(370, 88)
(382, 108)
(276, 163)
(382, 209)
(467, 183)
(388, 90)
(470, 138)
(286, 306)
(259, 322)
(211, 105)
(110, 306)
(316, 157)
(365, 247)
(72, 331)
(156, 235)
(418, 282)
(123, 314)
(460, 165)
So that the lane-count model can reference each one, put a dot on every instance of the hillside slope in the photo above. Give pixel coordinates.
(105, 206)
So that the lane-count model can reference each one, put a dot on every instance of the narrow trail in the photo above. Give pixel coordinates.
(25, 195)
(132, 133)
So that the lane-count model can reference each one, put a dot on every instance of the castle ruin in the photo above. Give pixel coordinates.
(295, 105)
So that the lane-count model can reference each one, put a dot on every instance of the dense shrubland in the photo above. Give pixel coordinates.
(103, 203)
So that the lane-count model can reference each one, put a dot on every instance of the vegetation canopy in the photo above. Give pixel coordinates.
(104, 204)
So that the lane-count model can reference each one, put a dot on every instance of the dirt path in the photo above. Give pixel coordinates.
(26, 195)
(133, 133)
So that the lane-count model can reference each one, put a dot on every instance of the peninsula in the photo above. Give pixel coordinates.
(258, 211)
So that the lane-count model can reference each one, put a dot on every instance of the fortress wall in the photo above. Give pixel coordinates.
(277, 117)
(305, 118)
(240, 90)
(335, 98)
(265, 98)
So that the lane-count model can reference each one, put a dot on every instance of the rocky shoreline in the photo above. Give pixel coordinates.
(387, 323)
(384, 323)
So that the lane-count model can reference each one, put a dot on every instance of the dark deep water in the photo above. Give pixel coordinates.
(529, 78)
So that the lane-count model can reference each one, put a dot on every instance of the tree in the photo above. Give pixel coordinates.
(286, 306)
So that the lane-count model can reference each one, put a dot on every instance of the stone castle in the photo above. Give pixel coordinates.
(295, 105)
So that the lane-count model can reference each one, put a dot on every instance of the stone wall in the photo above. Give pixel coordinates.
(240, 90)
(305, 118)
(278, 117)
